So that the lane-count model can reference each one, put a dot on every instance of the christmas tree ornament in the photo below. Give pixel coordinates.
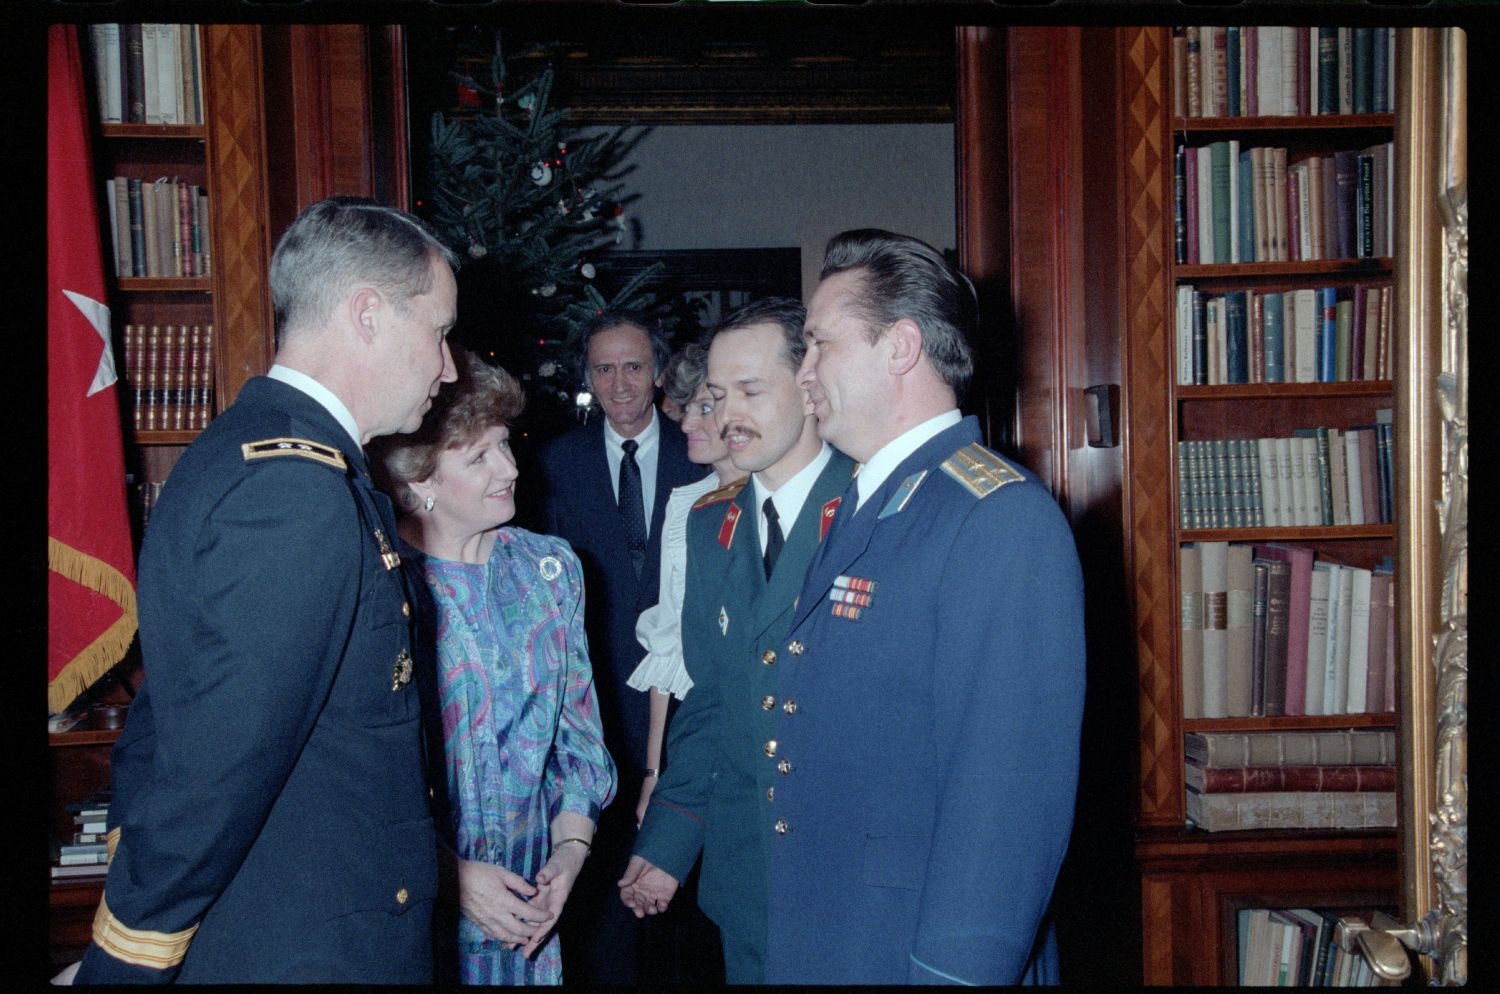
(541, 174)
(586, 270)
(547, 289)
(547, 369)
(477, 250)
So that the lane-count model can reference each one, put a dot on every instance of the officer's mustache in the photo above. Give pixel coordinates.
(737, 430)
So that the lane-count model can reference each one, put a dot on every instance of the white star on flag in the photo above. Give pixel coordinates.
(98, 316)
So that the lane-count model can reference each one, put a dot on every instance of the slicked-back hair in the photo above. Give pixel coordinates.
(482, 397)
(784, 312)
(342, 241)
(685, 373)
(609, 318)
(904, 277)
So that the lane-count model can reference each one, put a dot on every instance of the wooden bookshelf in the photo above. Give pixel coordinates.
(1194, 882)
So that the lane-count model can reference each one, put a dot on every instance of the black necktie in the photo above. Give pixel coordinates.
(632, 506)
(773, 536)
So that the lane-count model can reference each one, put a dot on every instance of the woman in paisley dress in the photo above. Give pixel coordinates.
(526, 768)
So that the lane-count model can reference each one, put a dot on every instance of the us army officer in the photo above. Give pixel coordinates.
(270, 815)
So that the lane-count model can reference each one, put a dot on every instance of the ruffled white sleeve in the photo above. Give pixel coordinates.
(659, 628)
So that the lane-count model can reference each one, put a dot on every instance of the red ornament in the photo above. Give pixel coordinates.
(467, 96)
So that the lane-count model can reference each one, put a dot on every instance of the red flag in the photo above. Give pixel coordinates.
(91, 570)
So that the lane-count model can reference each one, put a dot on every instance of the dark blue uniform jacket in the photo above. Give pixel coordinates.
(926, 752)
(268, 788)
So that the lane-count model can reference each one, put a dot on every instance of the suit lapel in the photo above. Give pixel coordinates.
(851, 536)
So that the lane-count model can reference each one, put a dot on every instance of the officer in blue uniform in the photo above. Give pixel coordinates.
(270, 812)
(933, 675)
(713, 794)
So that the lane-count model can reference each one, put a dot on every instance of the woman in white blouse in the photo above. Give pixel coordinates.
(661, 673)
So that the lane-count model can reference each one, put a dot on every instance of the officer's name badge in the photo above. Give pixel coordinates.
(387, 554)
(851, 595)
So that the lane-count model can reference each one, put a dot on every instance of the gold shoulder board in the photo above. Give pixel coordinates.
(316, 451)
(727, 492)
(979, 470)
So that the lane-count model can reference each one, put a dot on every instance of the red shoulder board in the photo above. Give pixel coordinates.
(826, 518)
(731, 521)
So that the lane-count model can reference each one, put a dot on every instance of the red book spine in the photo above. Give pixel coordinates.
(1298, 778)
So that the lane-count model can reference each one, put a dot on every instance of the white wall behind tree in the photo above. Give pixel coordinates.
(778, 186)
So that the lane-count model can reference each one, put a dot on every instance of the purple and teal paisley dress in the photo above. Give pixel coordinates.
(521, 730)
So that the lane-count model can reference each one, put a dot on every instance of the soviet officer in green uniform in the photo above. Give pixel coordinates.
(748, 546)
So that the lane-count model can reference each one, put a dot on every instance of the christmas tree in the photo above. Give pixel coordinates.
(529, 205)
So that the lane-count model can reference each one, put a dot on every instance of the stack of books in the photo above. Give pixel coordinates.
(170, 370)
(158, 228)
(1269, 630)
(87, 854)
(1271, 71)
(1298, 947)
(1316, 477)
(1260, 204)
(1292, 779)
(1295, 335)
(148, 73)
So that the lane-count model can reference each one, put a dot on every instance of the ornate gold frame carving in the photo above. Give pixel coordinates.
(1431, 414)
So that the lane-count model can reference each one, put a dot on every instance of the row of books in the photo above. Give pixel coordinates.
(1234, 204)
(1270, 629)
(158, 227)
(148, 73)
(87, 854)
(1237, 781)
(170, 372)
(1264, 70)
(1298, 947)
(1293, 335)
(1317, 477)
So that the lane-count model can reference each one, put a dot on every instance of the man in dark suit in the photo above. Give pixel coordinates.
(927, 752)
(606, 485)
(269, 817)
(748, 547)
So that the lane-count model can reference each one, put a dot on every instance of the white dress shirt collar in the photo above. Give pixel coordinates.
(790, 496)
(883, 463)
(318, 392)
(645, 457)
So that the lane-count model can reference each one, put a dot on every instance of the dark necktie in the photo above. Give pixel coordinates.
(774, 540)
(632, 506)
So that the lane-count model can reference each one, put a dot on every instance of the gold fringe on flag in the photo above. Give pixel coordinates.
(110, 647)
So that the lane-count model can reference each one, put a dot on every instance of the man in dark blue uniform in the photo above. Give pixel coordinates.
(270, 818)
(932, 681)
(740, 588)
(605, 490)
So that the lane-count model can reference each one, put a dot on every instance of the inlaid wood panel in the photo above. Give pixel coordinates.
(238, 205)
(1145, 230)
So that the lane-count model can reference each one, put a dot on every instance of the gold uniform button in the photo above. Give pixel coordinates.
(405, 609)
(796, 648)
(784, 766)
(780, 827)
(789, 706)
(767, 702)
(402, 895)
(770, 748)
(768, 657)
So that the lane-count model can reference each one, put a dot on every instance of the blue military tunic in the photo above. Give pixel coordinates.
(927, 747)
(268, 789)
(712, 796)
